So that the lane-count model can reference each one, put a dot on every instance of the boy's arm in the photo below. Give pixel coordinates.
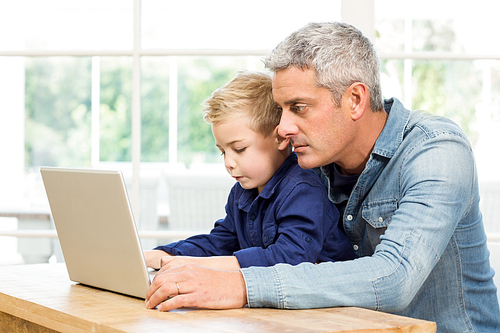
(213, 250)
(222, 240)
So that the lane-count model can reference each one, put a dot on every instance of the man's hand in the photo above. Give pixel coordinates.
(223, 263)
(192, 285)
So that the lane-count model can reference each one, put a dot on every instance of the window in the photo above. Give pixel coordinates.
(439, 57)
(118, 84)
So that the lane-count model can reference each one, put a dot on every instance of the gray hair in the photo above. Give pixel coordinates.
(340, 55)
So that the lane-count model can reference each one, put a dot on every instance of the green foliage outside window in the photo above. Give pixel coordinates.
(58, 109)
(115, 130)
(198, 78)
(58, 98)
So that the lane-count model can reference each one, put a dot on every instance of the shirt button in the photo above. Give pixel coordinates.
(349, 217)
(252, 217)
(355, 247)
(380, 219)
(308, 239)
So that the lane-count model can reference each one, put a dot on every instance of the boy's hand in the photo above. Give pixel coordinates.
(153, 258)
(224, 263)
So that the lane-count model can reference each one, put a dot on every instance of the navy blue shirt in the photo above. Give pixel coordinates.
(290, 221)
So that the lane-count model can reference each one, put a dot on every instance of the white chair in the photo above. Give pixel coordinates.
(197, 199)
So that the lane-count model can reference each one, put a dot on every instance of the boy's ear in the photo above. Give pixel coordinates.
(283, 143)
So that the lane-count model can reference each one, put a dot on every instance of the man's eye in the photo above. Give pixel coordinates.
(297, 108)
(240, 150)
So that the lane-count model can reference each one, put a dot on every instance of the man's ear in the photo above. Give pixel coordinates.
(358, 99)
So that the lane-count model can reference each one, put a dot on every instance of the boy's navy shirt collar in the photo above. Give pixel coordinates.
(248, 196)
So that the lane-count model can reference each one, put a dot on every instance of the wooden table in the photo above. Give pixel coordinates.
(41, 298)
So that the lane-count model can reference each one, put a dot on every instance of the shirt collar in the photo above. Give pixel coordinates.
(248, 196)
(392, 135)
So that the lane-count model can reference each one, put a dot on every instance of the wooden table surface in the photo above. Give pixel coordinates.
(41, 298)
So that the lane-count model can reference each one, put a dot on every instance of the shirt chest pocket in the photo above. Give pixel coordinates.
(269, 233)
(379, 213)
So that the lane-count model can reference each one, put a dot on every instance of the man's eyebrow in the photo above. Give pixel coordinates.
(294, 101)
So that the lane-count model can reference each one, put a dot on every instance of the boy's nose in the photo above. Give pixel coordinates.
(229, 162)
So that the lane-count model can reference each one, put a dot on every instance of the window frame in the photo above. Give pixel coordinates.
(360, 13)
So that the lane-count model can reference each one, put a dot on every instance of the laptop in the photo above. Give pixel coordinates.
(96, 229)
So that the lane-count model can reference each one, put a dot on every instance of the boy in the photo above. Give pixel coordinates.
(276, 212)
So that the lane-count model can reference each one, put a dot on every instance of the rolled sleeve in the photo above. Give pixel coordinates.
(263, 287)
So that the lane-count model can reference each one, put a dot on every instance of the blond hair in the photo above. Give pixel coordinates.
(248, 94)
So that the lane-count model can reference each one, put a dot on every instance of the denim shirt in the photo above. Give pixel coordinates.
(290, 221)
(413, 218)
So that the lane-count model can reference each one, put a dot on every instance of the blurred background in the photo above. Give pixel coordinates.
(117, 84)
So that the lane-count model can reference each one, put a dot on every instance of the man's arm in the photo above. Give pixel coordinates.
(436, 189)
(199, 287)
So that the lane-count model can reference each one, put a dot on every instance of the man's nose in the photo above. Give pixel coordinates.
(287, 127)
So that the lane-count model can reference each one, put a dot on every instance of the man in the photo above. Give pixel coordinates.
(405, 183)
